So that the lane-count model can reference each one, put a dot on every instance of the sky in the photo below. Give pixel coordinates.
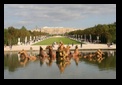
(58, 15)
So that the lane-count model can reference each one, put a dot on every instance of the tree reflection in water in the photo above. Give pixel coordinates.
(11, 61)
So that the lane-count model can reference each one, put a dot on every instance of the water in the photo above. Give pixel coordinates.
(82, 69)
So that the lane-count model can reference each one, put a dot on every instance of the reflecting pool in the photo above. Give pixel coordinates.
(76, 68)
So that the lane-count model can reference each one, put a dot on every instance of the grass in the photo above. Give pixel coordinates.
(57, 39)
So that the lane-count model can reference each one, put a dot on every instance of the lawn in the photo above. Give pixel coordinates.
(57, 39)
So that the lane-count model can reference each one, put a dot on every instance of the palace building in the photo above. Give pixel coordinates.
(54, 30)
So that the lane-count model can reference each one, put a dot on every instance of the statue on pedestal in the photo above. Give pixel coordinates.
(19, 41)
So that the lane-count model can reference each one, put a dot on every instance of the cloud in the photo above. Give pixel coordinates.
(55, 13)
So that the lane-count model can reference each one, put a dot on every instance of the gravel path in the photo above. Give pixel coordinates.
(84, 47)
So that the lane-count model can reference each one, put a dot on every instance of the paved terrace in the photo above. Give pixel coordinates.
(87, 46)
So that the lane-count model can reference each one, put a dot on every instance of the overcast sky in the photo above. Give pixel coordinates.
(58, 15)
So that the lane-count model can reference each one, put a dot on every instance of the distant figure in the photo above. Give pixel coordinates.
(31, 48)
(10, 47)
(31, 51)
(5, 45)
(53, 44)
(81, 44)
(111, 43)
(108, 44)
(72, 44)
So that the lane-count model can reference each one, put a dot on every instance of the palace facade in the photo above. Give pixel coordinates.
(54, 30)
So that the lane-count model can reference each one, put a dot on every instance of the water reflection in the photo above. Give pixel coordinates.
(110, 53)
(12, 62)
(108, 62)
(62, 64)
(76, 59)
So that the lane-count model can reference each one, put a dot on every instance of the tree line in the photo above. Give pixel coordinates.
(106, 32)
(12, 34)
